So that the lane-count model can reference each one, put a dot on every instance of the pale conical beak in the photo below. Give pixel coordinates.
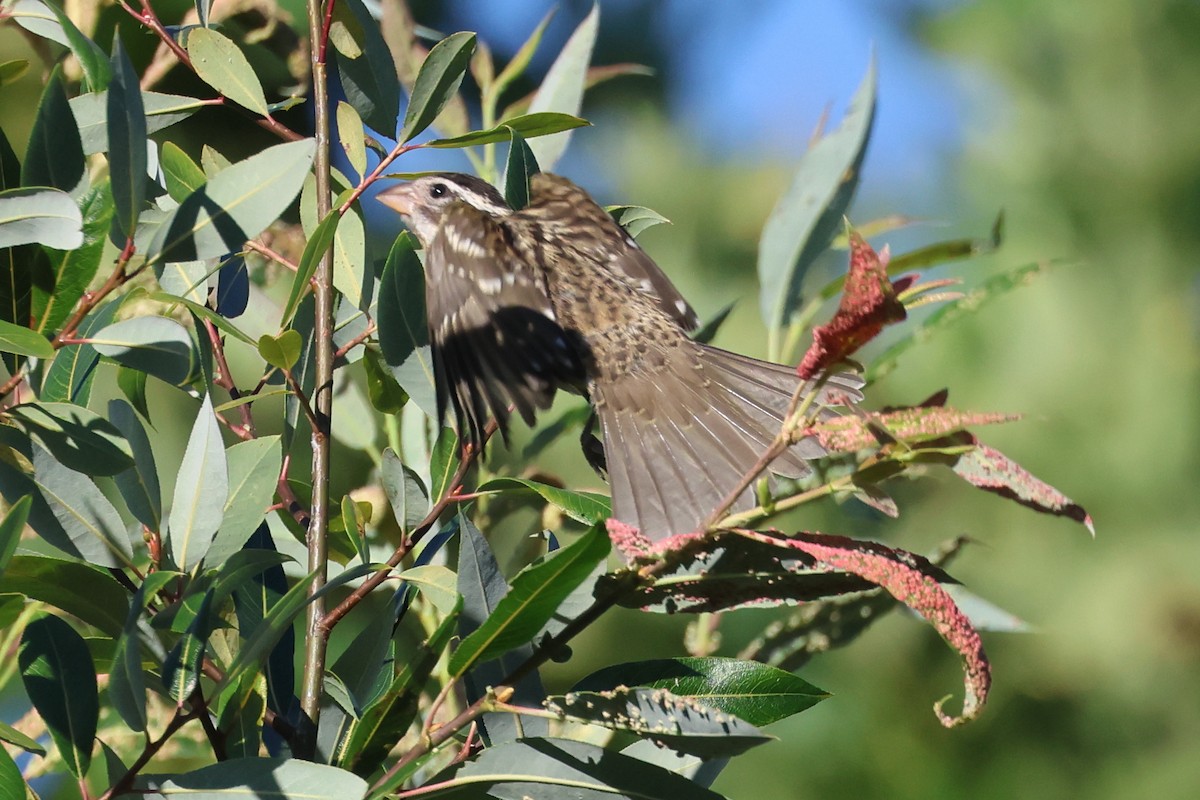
(398, 198)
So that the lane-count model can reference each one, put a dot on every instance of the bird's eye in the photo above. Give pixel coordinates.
(437, 190)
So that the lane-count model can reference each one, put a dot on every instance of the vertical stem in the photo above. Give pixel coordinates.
(316, 638)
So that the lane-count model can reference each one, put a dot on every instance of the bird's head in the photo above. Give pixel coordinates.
(423, 201)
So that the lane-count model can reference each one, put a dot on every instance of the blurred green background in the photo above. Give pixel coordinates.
(1082, 122)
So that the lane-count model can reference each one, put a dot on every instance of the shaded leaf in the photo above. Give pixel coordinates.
(127, 680)
(317, 245)
(181, 669)
(589, 508)
(14, 737)
(11, 529)
(404, 490)
(182, 175)
(157, 346)
(126, 128)
(365, 66)
(221, 64)
(60, 680)
(518, 171)
(80, 439)
(266, 779)
(162, 110)
(54, 155)
(386, 395)
(403, 332)
(526, 126)
(91, 58)
(436, 83)
(253, 475)
(82, 590)
(92, 526)
(282, 351)
(71, 374)
(635, 219)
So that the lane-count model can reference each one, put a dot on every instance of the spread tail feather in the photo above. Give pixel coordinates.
(678, 440)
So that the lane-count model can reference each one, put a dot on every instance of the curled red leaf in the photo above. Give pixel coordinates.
(868, 303)
(851, 433)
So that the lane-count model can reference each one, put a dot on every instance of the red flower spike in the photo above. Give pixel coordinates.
(868, 304)
(900, 573)
(849, 434)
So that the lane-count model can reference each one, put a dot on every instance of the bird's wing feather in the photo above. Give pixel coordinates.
(495, 340)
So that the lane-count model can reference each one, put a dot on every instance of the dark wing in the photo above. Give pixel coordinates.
(495, 340)
(555, 200)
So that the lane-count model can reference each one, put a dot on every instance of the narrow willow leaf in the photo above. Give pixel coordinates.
(811, 211)
(23, 342)
(126, 127)
(186, 279)
(403, 332)
(60, 680)
(352, 136)
(635, 219)
(162, 110)
(437, 82)
(91, 58)
(73, 370)
(235, 205)
(35, 17)
(527, 125)
(681, 723)
(182, 175)
(127, 680)
(365, 66)
(437, 583)
(541, 767)
(562, 88)
(253, 475)
(12, 71)
(73, 270)
(54, 156)
(519, 169)
(757, 693)
(278, 778)
(350, 257)
(385, 394)
(138, 485)
(81, 439)
(520, 60)
(207, 314)
(94, 528)
(14, 737)
(221, 64)
(81, 590)
(201, 489)
(157, 346)
(11, 529)
(410, 502)
(181, 669)
(586, 507)
(316, 247)
(532, 600)
(40, 216)
(443, 463)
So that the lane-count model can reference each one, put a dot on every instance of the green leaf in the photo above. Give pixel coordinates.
(437, 583)
(92, 526)
(282, 351)
(403, 333)
(126, 123)
(365, 65)
(187, 280)
(201, 489)
(73, 270)
(518, 171)
(708, 329)
(60, 680)
(549, 768)
(132, 384)
(157, 346)
(183, 176)
(14, 737)
(207, 314)
(384, 722)
(82, 440)
(437, 82)
(138, 485)
(532, 600)
(679, 723)
(82, 590)
(809, 213)
(520, 60)
(23, 342)
(162, 110)
(265, 779)
(350, 257)
(54, 156)
(41, 216)
(386, 395)
(757, 693)
(91, 58)
(586, 507)
(317, 245)
(35, 17)
(221, 64)
(253, 475)
(235, 205)
(12, 783)
(443, 463)
(12, 71)
(73, 370)
(635, 219)
(181, 669)
(410, 503)
(127, 680)
(11, 529)
(527, 125)
(352, 136)
(562, 88)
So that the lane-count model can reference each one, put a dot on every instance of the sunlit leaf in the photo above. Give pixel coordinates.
(79, 438)
(88, 518)
(586, 507)
(201, 490)
(162, 110)
(73, 270)
(155, 345)
(265, 778)
(436, 83)
(403, 333)
(23, 342)
(562, 88)
(316, 247)
(221, 64)
(528, 126)
(41, 216)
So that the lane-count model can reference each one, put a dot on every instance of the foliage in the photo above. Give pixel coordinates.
(128, 267)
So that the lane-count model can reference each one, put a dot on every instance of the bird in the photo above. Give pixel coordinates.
(557, 295)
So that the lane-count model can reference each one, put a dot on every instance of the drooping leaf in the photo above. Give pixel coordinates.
(385, 394)
(436, 83)
(809, 213)
(201, 490)
(235, 205)
(82, 590)
(221, 64)
(80, 439)
(403, 332)
(126, 128)
(757, 693)
(93, 528)
(11, 529)
(265, 778)
(181, 669)
(518, 171)
(527, 126)
(233, 287)
(35, 17)
(40, 216)
(12, 783)
(91, 58)
(157, 346)
(185, 279)
(562, 88)
(23, 342)
(443, 463)
(405, 492)
(14, 737)
(352, 136)
(182, 175)
(586, 507)
(532, 600)
(539, 767)
(162, 110)
(127, 680)
(317, 245)
(54, 156)
(684, 724)
(60, 680)
(138, 484)
(517, 64)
